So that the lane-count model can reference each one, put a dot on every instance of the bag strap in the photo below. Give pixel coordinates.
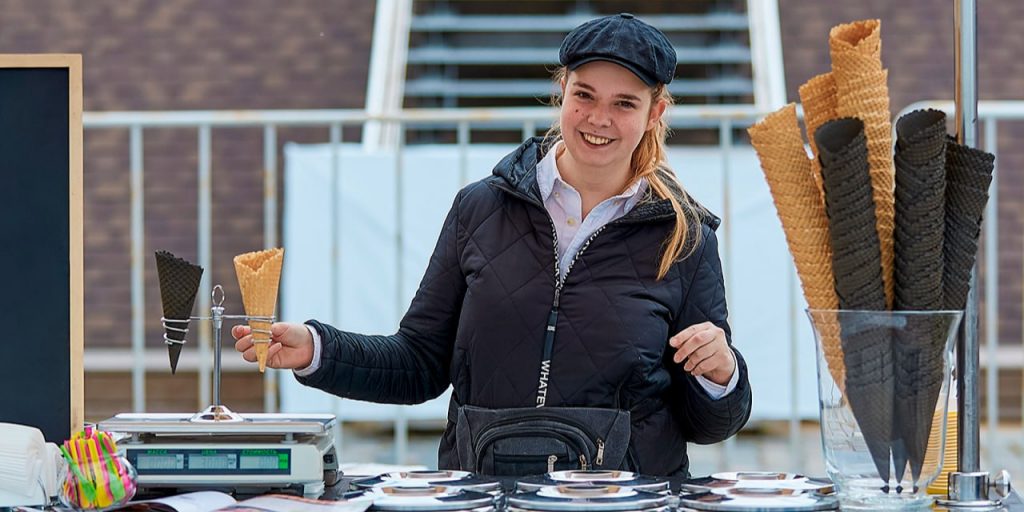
(453, 410)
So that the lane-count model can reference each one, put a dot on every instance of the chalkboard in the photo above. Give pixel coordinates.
(41, 379)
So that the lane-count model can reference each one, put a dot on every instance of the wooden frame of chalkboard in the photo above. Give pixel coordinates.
(41, 258)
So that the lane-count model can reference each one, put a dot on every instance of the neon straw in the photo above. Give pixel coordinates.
(102, 479)
(84, 490)
(116, 484)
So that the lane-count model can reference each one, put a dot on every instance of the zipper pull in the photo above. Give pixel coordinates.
(552, 459)
(583, 462)
(599, 461)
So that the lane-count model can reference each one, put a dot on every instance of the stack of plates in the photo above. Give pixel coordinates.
(422, 498)
(588, 496)
(450, 479)
(623, 479)
(757, 491)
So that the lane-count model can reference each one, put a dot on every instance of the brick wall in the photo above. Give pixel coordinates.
(180, 55)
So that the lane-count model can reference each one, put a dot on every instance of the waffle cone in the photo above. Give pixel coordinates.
(866, 96)
(856, 48)
(818, 96)
(948, 462)
(801, 209)
(259, 274)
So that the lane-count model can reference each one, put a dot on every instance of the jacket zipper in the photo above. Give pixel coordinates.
(549, 330)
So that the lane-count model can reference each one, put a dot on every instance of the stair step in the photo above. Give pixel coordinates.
(523, 88)
(726, 54)
(445, 22)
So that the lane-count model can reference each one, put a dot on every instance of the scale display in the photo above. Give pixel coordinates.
(211, 461)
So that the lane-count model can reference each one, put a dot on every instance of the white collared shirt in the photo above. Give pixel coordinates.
(565, 206)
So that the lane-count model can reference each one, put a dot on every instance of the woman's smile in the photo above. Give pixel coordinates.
(595, 140)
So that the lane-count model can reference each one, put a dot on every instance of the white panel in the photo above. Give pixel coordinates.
(757, 279)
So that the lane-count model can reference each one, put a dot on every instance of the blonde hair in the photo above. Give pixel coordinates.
(650, 160)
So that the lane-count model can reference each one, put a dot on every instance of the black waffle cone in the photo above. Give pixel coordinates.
(968, 176)
(857, 266)
(856, 255)
(868, 357)
(179, 283)
(918, 273)
(918, 364)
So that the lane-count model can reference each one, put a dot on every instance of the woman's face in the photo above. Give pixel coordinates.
(605, 111)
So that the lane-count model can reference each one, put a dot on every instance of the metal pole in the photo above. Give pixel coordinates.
(138, 277)
(205, 259)
(965, 48)
(270, 378)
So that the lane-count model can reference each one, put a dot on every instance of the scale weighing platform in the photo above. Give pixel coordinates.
(249, 454)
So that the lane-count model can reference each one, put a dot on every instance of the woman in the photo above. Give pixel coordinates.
(575, 299)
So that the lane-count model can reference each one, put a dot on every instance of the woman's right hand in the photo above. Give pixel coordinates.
(291, 345)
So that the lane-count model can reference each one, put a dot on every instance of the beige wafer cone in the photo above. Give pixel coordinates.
(867, 98)
(862, 92)
(856, 47)
(258, 276)
(818, 96)
(801, 208)
(931, 457)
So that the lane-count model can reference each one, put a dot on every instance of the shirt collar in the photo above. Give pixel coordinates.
(548, 175)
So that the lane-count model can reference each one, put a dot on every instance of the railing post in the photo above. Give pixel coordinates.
(969, 449)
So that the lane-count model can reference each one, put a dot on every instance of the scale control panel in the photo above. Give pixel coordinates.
(210, 461)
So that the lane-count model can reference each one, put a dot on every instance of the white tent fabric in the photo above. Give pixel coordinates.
(361, 288)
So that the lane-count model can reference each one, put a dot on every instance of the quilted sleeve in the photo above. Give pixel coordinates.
(410, 366)
(704, 420)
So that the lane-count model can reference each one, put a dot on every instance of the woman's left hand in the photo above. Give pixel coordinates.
(703, 351)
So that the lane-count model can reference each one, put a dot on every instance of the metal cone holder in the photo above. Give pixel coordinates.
(969, 487)
(217, 412)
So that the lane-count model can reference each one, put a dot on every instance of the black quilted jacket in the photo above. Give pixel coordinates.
(478, 322)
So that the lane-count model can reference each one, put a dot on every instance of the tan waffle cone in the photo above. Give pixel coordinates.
(948, 462)
(259, 274)
(818, 96)
(801, 209)
(867, 97)
(856, 48)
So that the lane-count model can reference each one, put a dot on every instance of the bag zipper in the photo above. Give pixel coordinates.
(554, 418)
(484, 444)
(598, 459)
(552, 459)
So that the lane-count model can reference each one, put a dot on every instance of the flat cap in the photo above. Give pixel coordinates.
(624, 40)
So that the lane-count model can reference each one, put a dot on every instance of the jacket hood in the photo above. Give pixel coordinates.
(518, 172)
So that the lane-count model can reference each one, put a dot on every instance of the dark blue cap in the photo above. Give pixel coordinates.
(624, 40)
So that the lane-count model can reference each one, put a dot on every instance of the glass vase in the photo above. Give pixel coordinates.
(98, 483)
(883, 385)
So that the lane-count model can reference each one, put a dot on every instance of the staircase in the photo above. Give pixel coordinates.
(483, 53)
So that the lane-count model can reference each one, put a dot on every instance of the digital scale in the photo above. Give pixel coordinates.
(260, 453)
(219, 449)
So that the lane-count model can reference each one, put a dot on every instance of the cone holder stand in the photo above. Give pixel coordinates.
(217, 412)
(969, 487)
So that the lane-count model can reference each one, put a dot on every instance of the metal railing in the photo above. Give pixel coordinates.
(723, 119)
